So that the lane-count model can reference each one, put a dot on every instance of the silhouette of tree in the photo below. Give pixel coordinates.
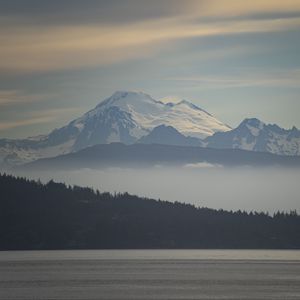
(56, 216)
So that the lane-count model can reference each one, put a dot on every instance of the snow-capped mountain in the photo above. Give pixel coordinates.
(140, 113)
(254, 135)
(135, 117)
(124, 117)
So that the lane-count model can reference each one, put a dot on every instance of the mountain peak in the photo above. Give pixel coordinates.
(148, 113)
(190, 105)
(125, 116)
(126, 93)
(294, 128)
(121, 96)
(254, 135)
(164, 134)
(253, 122)
(165, 128)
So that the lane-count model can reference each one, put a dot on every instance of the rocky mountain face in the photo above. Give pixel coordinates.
(254, 135)
(124, 117)
(135, 117)
(167, 135)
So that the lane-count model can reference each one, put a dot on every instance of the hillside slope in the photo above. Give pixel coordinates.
(54, 216)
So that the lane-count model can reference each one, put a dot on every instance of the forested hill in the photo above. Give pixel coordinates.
(55, 216)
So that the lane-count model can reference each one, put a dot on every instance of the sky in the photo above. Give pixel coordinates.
(233, 58)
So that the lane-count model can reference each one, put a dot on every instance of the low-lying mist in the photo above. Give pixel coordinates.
(260, 189)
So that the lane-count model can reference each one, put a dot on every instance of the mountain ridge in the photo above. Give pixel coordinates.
(255, 135)
(168, 135)
(125, 117)
(130, 117)
(117, 155)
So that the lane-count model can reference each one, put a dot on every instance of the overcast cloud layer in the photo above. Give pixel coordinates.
(235, 59)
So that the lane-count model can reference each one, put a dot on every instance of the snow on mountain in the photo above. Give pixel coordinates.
(124, 117)
(15, 152)
(145, 113)
(254, 135)
(130, 117)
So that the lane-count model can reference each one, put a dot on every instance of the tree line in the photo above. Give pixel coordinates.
(34, 215)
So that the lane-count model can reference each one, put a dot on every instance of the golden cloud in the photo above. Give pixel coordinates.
(14, 124)
(40, 117)
(51, 48)
(13, 97)
(246, 78)
(227, 8)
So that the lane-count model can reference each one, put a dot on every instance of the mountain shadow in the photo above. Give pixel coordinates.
(168, 135)
(143, 155)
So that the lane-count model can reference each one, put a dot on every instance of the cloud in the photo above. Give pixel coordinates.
(38, 117)
(14, 124)
(247, 78)
(205, 53)
(237, 7)
(51, 48)
(68, 12)
(14, 97)
(202, 165)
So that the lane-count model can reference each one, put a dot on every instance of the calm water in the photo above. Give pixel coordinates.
(150, 274)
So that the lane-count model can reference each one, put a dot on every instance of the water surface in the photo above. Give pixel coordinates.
(150, 274)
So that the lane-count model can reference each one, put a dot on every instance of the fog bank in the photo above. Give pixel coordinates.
(266, 189)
